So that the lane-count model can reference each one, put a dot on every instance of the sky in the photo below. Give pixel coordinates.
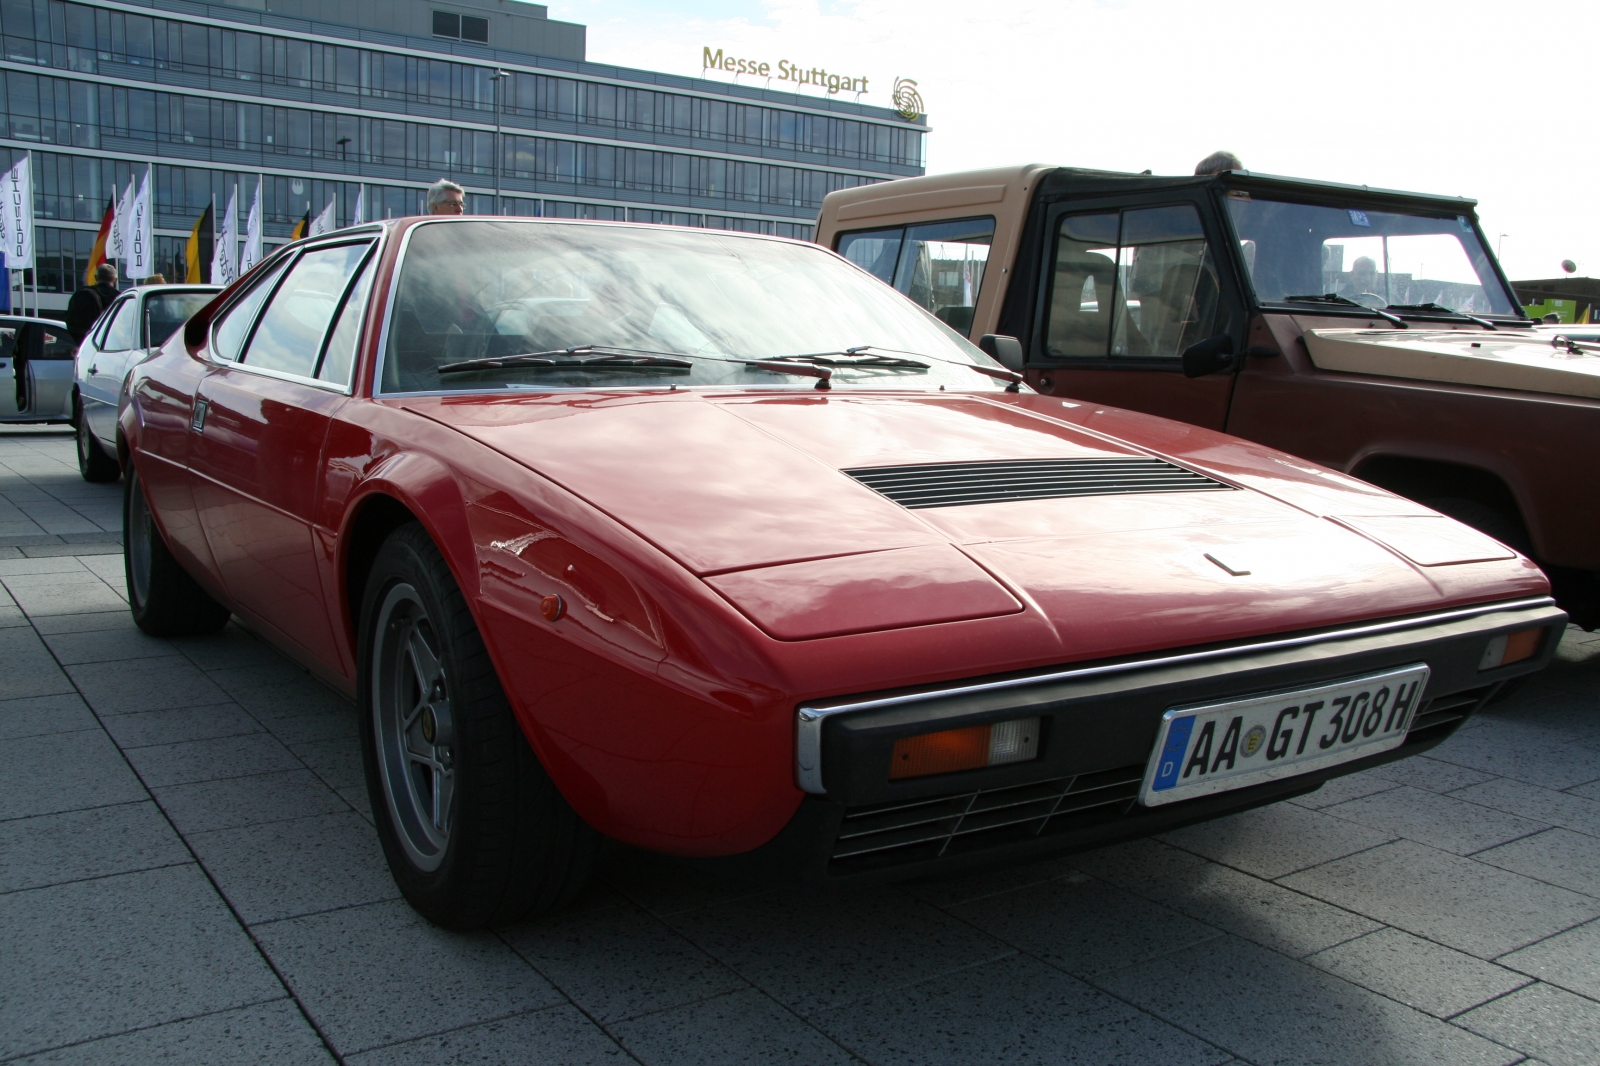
(1466, 98)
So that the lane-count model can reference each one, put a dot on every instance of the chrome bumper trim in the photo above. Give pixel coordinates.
(810, 716)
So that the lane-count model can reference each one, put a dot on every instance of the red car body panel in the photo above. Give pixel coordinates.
(718, 567)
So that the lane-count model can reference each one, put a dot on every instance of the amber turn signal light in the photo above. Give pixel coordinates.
(965, 749)
(552, 607)
(1510, 648)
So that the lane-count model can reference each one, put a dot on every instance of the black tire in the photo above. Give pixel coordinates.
(93, 462)
(474, 830)
(1506, 528)
(165, 600)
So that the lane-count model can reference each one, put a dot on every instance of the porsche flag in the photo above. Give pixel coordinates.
(16, 214)
(140, 236)
(117, 239)
(252, 235)
(225, 249)
(98, 254)
(301, 228)
(325, 222)
(360, 215)
(198, 251)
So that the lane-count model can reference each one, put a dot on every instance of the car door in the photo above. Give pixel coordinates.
(102, 363)
(1125, 288)
(9, 331)
(261, 419)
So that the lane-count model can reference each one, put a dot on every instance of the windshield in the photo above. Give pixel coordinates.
(1376, 258)
(166, 311)
(707, 301)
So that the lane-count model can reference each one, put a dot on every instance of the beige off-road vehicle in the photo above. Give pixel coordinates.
(1370, 331)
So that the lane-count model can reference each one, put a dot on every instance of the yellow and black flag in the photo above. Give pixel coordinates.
(302, 227)
(198, 252)
(97, 255)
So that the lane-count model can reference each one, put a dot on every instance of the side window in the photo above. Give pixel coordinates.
(941, 267)
(875, 251)
(1083, 286)
(58, 344)
(8, 341)
(122, 331)
(165, 312)
(292, 329)
(1170, 283)
(340, 356)
(228, 335)
(1141, 283)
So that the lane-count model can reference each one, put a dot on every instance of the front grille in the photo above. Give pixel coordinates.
(1446, 711)
(893, 833)
(956, 484)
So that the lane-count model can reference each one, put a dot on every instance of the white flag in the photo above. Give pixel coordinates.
(117, 239)
(16, 215)
(361, 206)
(141, 233)
(323, 223)
(225, 244)
(252, 235)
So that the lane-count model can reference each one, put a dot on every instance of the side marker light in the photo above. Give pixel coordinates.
(1510, 648)
(552, 607)
(965, 749)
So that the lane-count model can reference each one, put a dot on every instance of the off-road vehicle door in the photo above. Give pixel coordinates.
(1124, 287)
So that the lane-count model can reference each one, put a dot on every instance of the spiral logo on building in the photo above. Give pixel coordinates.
(907, 100)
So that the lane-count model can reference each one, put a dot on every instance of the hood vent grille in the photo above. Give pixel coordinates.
(958, 484)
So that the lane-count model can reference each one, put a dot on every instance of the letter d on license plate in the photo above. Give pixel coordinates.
(1219, 746)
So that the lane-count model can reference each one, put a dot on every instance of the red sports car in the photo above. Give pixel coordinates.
(714, 544)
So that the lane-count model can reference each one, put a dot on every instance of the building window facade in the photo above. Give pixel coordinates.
(212, 101)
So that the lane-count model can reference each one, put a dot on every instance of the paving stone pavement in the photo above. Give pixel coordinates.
(188, 874)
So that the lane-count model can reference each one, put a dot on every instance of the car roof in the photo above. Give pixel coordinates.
(1078, 181)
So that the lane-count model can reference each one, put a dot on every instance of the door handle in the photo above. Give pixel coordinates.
(93, 370)
(197, 419)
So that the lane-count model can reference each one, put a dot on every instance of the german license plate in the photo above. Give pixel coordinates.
(1220, 746)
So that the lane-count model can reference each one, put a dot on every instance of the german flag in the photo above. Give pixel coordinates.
(198, 251)
(98, 254)
(302, 227)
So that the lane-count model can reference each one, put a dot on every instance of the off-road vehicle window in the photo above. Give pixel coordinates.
(1137, 283)
(938, 264)
(1377, 258)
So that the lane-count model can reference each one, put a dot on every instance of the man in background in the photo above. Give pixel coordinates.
(87, 303)
(445, 197)
(1217, 163)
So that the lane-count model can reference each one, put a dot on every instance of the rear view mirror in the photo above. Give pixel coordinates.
(1210, 356)
(1007, 351)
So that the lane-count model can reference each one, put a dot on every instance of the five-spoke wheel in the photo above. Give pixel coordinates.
(474, 829)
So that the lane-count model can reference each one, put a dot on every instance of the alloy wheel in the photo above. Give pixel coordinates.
(413, 727)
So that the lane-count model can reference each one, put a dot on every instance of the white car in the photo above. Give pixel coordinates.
(137, 322)
(35, 370)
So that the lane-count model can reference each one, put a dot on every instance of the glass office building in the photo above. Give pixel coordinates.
(390, 95)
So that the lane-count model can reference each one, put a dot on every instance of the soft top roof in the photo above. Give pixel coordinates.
(1075, 182)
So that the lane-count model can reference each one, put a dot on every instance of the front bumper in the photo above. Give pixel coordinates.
(1098, 724)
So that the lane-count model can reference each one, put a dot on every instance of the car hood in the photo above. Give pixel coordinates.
(1523, 360)
(751, 493)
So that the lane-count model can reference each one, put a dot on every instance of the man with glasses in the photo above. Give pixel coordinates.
(445, 197)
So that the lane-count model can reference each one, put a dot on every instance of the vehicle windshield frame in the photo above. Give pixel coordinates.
(370, 377)
(1339, 198)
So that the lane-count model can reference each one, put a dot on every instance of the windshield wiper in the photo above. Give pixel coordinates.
(1012, 379)
(1335, 298)
(1484, 322)
(853, 358)
(575, 359)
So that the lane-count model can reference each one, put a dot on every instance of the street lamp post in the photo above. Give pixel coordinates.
(497, 77)
(341, 142)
